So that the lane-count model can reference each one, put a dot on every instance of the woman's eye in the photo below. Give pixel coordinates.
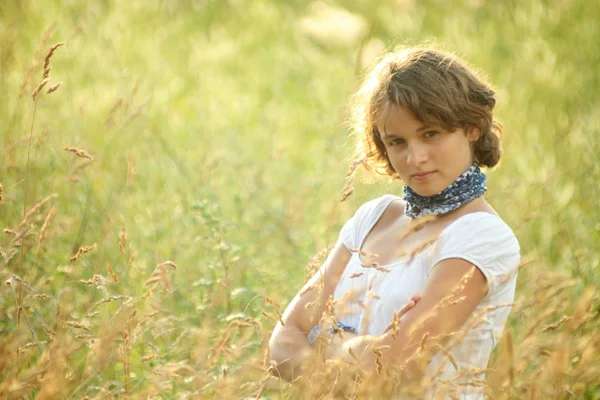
(430, 134)
(397, 141)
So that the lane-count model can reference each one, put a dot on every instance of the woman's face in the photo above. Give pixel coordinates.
(427, 158)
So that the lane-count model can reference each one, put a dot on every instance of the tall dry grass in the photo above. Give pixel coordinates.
(160, 198)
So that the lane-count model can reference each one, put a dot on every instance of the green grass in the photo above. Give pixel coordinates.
(225, 152)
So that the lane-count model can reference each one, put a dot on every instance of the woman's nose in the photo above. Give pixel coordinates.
(417, 154)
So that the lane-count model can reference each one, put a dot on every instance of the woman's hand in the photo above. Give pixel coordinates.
(337, 342)
(358, 347)
(405, 308)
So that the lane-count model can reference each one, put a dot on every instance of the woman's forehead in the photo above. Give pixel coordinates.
(395, 120)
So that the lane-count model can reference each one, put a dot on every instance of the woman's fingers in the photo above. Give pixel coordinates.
(409, 304)
(415, 297)
(404, 309)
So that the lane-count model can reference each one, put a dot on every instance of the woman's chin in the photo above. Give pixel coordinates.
(424, 190)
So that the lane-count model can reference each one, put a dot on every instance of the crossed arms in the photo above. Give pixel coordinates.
(451, 294)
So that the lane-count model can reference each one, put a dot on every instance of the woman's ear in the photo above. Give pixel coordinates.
(473, 133)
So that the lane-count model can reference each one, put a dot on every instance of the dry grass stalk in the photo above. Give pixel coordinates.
(534, 324)
(415, 225)
(53, 88)
(78, 152)
(461, 285)
(418, 249)
(149, 292)
(51, 333)
(366, 321)
(33, 344)
(509, 353)
(160, 276)
(39, 87)
(349, 186)
(34, 209)
(378, 352)
(376, 266)
(47, 67)
(311, 304)
(448, 355)
(395, 324)
(37, 54)
(77, 325)
(315, 262)
(268, 316)
(137, 111)
(14, 278)
(373, 295)
(175, 369)
(9, 232)
(81, 165)
(273, 302)
(306, 290)
(1, 192)
(94, 281)
(112, 298)
(44, 228)
(364, 253)
(112, 273)
(347, 298)
(149, 358)
(111, 113)
(348, 189)
(555, 325)
(277, 307)
(82, 250)
(122, 238)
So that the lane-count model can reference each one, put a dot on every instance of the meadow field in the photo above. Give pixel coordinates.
(163, 204)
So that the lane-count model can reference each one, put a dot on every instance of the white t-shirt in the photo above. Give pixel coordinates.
(481, 238)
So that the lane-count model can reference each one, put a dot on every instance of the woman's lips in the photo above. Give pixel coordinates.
(423, 176)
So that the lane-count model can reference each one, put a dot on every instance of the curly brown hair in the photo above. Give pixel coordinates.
(438, 89)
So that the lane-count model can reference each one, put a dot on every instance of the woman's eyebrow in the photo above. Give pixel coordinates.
(389, 135)
(419, 129)
(423, 127)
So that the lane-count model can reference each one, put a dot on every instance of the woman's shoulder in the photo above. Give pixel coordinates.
(380, 204)
(484, 222)
(367, 215)
(484, 240)
(480, 232)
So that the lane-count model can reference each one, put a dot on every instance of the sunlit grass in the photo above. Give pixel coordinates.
(217, 137)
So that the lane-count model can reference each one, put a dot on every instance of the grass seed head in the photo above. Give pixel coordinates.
(78, 152)
(39, 87)
(53, 88)
(47, 59)
(112, 273)
(123, 238)
(44, 228)
(82, 250)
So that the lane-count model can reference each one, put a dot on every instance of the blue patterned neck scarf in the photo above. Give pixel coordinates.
(467, 187)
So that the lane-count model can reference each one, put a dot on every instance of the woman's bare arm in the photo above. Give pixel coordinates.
(289, 346)
(450, 296)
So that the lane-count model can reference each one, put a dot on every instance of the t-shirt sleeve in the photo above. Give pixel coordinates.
(485, 241)
(350, 235)
(347, 234)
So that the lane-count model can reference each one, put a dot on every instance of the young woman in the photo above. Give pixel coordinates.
(431, 273)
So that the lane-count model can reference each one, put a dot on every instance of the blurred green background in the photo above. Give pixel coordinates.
(218, 136)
